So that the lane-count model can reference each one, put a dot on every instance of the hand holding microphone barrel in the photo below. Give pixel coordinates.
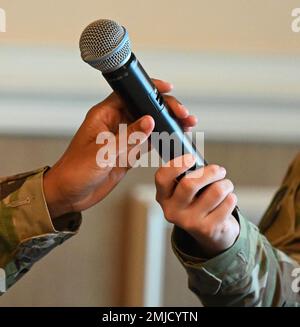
(105, 45)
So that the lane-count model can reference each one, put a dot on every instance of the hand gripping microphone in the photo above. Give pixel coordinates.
(105, 45)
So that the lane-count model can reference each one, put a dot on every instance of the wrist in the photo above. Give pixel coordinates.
(220, 241)
(57, 205)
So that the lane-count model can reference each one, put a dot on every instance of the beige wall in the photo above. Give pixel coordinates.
(254, 26)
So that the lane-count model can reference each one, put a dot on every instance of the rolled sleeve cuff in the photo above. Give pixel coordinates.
(29, 211)
(225, 268)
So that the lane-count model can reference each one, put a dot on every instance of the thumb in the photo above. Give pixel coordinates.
(133, 136)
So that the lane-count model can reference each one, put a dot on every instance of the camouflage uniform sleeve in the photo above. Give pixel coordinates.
(262, 267)
(27, 232)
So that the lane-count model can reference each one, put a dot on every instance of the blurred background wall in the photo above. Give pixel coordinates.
(231, 26)
(234, 64)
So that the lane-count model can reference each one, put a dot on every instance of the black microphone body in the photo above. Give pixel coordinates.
(135, 87)
(105, 45)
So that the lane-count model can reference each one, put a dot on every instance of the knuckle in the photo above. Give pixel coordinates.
(97, 112)
(228, 184)
(214, 169)
(217, 190)
(159, 177)
(187, 184)
(231, 199)
(169, 215)
(88, 114)
(93, 112)
(221, 188)
(157, 198)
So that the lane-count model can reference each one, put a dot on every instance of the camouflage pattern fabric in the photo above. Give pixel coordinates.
(26, 230)
(262, 267)
(258, 270)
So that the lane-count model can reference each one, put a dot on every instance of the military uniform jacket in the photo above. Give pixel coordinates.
(260, 269)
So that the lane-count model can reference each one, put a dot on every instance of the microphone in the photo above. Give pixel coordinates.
(105, 45)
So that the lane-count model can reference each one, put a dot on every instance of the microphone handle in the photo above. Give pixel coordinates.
(135, 87)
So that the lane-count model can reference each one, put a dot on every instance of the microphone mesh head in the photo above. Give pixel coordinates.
(105, 45)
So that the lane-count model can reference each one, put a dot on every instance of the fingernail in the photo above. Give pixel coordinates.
(223, 170)
(146, 123)
(165, 82)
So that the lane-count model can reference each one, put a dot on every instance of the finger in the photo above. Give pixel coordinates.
(212, 197)
(137, 134)
(162, 86)
(223, 211)
(180, 112)
(144, 126)
(115, 148)
(176, 107)
(189, 121)
(191, 184)
(165, 177)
